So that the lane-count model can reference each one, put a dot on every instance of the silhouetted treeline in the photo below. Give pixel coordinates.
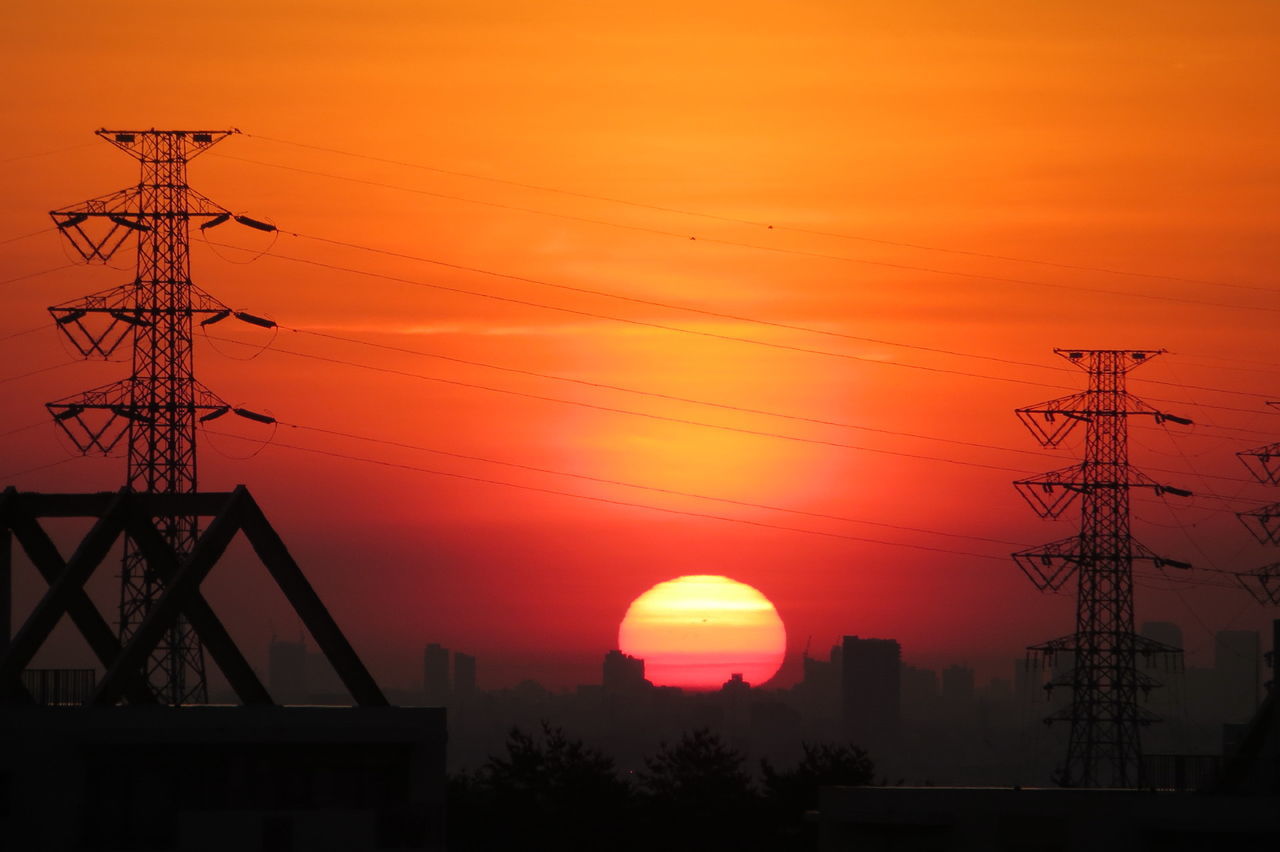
(552, 792)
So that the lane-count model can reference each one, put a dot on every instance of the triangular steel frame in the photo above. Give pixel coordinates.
(128, 514)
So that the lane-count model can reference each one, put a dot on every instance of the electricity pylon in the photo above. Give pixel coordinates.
(158, 406)
(1264, 522)
(1104, 746)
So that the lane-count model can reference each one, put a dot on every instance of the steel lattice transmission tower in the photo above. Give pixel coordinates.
(158, 407)
(1264, 522)
(1104, 746)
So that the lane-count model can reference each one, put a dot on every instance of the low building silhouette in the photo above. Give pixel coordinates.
(222, 778)
(622, 674)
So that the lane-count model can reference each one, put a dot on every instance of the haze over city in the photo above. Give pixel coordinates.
(904, 210)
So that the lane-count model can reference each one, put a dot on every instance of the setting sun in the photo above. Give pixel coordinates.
(697, 631)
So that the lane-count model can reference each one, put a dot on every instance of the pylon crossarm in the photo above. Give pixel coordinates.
(142, 144)
(1055, 646)
(1050, 494)
(122, 203)
(1138, 479)
(1139, 551)
(1153, 652)
(99, 323)
(1263, 584)
(1136, 406)
(97, 420)
(1121, 360)
(1050, 566)
(1263, 463)
(1051, 422)
(1263, 522)
(97, 228)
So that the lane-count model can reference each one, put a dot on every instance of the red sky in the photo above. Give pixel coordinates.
(1139, 141)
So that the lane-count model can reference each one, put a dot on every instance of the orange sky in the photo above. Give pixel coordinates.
(1138, 140)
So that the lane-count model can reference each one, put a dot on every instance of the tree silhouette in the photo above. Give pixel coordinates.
(793, 792)
(547, 792)
(697, 795)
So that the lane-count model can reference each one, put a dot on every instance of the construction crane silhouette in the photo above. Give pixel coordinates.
(155, 411)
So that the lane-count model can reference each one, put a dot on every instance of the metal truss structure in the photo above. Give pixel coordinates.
(155, 411)
(1101, 657)
(1264, 522)
(144, 520)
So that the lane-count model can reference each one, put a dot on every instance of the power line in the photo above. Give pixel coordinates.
(8, 240)
(4, 477)
(646, 507)
(614, 410)
(649, 324)
(36, 372)
(698, 332)
(655, 489)
(615, 502)
(674, 306)
(690, 400)
(770, 226)
(972, 276)
(692, 309)
(45, 153)
(670, 419)
(35, 274)
(24, 332)
(26, 428)
(659, 395)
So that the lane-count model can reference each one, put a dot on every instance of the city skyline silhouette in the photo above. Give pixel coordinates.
(551, 357)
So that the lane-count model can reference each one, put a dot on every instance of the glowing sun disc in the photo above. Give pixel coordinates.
(698, 630)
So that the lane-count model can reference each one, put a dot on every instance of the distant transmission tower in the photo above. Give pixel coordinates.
(1264, 522)
(158, 406)
(1104, 747)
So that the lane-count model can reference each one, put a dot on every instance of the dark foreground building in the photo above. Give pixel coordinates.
(1239, 810)
(346, 779)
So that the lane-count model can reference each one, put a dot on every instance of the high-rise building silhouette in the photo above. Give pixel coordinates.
(435, 675)
(819, 688)
(464, 676)
(1237, 666)
(870, 689)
